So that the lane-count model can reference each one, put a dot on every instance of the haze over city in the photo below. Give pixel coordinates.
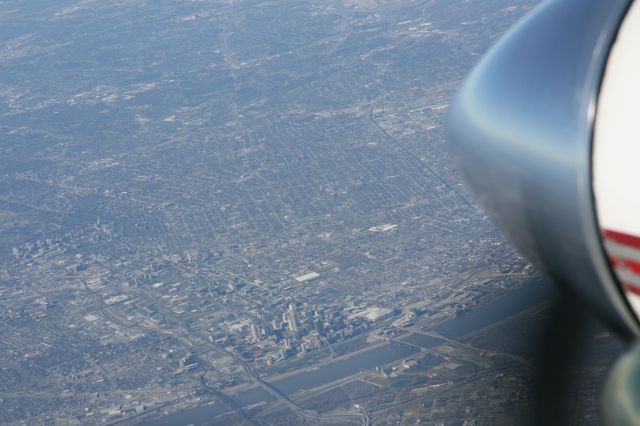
(244, 212)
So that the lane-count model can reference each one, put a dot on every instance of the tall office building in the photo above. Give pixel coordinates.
(291, 320)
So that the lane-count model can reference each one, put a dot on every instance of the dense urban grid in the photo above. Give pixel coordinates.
(243, 212)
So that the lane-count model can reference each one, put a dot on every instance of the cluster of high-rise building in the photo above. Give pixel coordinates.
(297, 331)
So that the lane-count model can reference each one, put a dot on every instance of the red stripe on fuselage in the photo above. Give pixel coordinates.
(632, 266)
(619, 237)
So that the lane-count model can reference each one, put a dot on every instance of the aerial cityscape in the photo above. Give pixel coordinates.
(244, 212)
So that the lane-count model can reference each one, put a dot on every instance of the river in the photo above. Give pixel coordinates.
(511, 304)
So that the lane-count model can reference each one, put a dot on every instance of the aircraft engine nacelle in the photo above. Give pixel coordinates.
(546, 130)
